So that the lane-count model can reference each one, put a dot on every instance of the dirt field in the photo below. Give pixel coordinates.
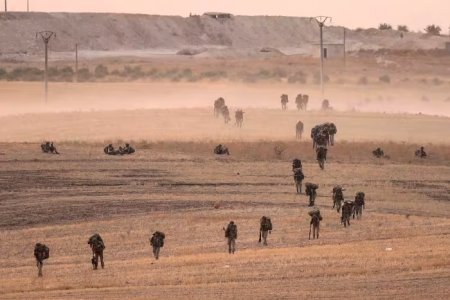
(398, 250)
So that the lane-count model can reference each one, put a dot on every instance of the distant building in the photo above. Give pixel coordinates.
(332, 50)
(447, 47)
(218, 15)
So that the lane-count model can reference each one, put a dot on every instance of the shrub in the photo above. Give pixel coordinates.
(385, 79)
(384, 26)
(363, 80)
(326, 78)
(297, 77)
(133, 72)
(66, 74)
(84, 75)
(402, 28)
(3, 73)
(101, 71)
(25, 74)
(433, 29)
(437, 81)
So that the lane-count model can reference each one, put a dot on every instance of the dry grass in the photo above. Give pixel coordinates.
(175, 187)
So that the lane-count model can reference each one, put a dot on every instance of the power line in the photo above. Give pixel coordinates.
(46, 36)
(321, 20)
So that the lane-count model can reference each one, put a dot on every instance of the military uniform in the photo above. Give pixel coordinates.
(41, 252)
(265, 228)
(157, 242)
(97, 245)
(231, 235)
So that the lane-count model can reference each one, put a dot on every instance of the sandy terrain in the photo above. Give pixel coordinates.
(399, 249)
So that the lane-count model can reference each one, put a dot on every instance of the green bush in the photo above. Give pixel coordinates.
(298, 77)
(84, 75)
(3, 73)
(101, 71)
(25, 74)
(385, 79)
(363, 80)
(384, 26)
(402, 28)
(433, 29)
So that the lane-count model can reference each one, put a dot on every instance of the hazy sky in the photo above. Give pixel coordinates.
(352, 13)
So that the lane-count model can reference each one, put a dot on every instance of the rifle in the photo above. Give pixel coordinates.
(259, 241)
(310, 231)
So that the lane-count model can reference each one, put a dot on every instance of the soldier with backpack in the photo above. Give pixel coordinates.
(41, 252)
(231, 235)
(157, 242)
(264, 229)
(310, 190)
(97, 245)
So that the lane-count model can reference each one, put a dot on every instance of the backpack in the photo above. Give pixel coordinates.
(298, 174)
(41, 250)
(96, 242)
(266, 224)
(231, 231)
(157, 239)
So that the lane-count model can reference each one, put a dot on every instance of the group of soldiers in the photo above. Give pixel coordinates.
(221, 109)
(301, 101)
(97, 245)
(127, 149)
(322, 136)
(348, 207)
(379, 153)
(49, 147)
(221, 150)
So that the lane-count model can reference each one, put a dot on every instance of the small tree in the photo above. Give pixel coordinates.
(402, 28)
(433, 29)
(101, 71)
(384, 26)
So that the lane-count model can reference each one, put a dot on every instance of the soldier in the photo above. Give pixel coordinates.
(421, 153)
(231, 235)
(296, 164)
(298, 179)
(45, 147)
(359, 205)
(157, 242)
(310, 190)
(338, 197)
(52, 148)
(264, 229)
(315, 222)
(284, 101)
(97, 245)
(221, 150)
(378, 152)
(41, 252)
(321, 153)
(347, 209)
(109, 149)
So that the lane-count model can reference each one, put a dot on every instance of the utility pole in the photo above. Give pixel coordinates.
(345, 51)
(46, 36)
(28, 5)
(6, 5)
(76, 62)
(321, 22)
